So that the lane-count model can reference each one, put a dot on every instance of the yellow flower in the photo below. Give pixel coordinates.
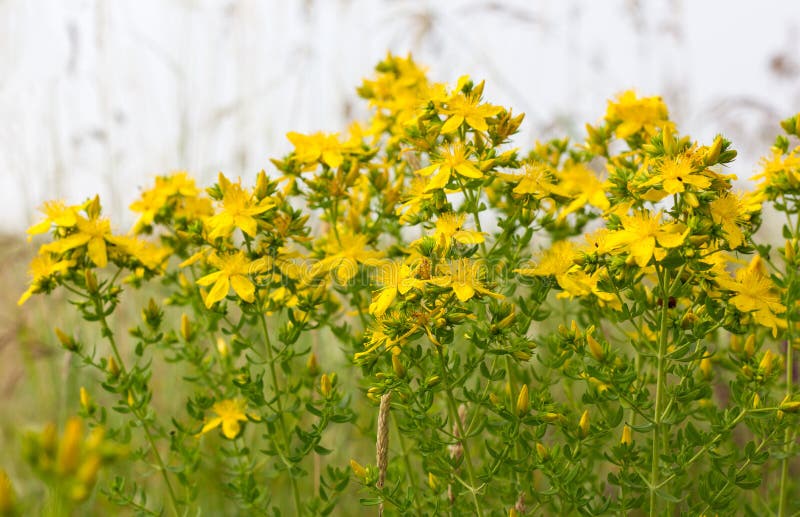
(238, 208)
(93, 233)
(464, 277)
(674, 173)
(310, 149)
(229, 413)
(454, 158)
(416, 195)
(536, 180)
(177, 190)
(641, 232)
(729, 212)
(234, 271)
(152, 256)
(450, 226)
(343, 256)
(42, 269)
(555, 261)
(56, 213)
(397, 279)
(637, 114)
(461, 108)
(580, 183)
(756, 293)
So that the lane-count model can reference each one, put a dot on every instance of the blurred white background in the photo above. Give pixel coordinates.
(100, 96)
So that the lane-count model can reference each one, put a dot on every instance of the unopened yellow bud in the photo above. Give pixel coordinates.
(494, 399)
(667, 140)
(7, 496)
(595, 348)
(397, 366)
(756, 401)
(766, 362)
(70, 447)
(312, 366)
(790, 406)
(359, 471)
(583, 425)
(87, 473)
(788, 252)
(222, 347)
(513, 513)
(66, 341)
(750, 345)
(86, 400)
(736, 343)
(325, 385)
(712, 155)
(542, 451)
(523, 401)
(113, 367)
(131, 399)
(91, 281)
(627, 435)
(551, 417)
(262, 182)
(574, 328)
(433, 481)
(432, 381)
(706, 367)
(186, 327)
(691, 199)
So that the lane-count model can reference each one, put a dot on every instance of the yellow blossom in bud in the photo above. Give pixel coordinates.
(91, 281)
(86, 400)
(222, 347)
(398, 367)
(513, 513)
(705, 367)
(186, 327)
(7, 496)
(66, 341)
(766, 362)
(433, 481)
(788, 252)
(131, 399)
(494, 399)
(595, 348)
(790, 406)
(112, 367)
(69, 448)
(312, 365)
(542, 451)
(523, 401)
(583, 425)
(325, 385)
(750, 345)
(627, 438)
(712, 155)
(756, 401)
(359, 471)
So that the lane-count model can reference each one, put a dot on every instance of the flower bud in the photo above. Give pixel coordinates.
(542, 451)
(397, 366)
(523, 401)
(788, 252)
(262, 183)
(66, 341)
(756, 401)
(91, 281)
(112, 367)
(359, 471)
(706, 368)
(583, 425)
(312, 366)
(790, 406)
(186, 327)
(627, 437)
(595, 348)
(7, 496)
(766, 362)
(432, 381)
(750, 345)
(433, 482)
(70, 447)
(86, 400)
(712, 155)
(222, 347)
(325, 385)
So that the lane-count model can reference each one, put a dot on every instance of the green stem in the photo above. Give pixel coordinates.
(789, 434)
(453, 409)
(660, 382)
(109, 334)
(279, 403)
